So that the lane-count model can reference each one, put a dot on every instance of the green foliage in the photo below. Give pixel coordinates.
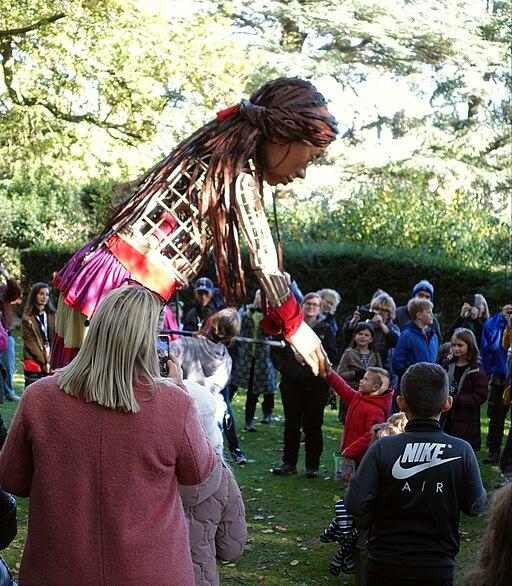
(404, 214)
(356, 271)
(41, 263)
(93, 93)
(37, 210)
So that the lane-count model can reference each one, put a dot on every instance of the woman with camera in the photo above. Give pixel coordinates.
(473, 315)
(100, 448)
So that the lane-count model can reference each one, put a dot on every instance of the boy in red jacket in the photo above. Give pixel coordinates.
(369, 405)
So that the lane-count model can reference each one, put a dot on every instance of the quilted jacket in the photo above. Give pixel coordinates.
(216, 518)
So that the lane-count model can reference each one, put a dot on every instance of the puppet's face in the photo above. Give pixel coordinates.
(288, 161)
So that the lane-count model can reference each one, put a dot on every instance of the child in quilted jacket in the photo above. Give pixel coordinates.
(214, 510)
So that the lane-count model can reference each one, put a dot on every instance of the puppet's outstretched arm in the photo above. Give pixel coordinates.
(285, 313)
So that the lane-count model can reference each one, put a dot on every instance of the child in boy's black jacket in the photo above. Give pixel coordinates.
(414, 486)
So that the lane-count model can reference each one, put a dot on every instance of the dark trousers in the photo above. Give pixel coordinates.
(497, 413)
(267, 405)
(303, 408)
(229, 421)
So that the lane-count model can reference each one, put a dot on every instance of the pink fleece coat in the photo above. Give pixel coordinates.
(103, 486)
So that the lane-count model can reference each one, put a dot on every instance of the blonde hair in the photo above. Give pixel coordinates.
(118, 351)
(398, 420)
(417, 305)
(380, 376)
(383, 430)
(334, 295)
(384, 301)
(483, 302)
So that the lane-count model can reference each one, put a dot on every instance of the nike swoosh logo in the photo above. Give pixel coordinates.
(402, 473)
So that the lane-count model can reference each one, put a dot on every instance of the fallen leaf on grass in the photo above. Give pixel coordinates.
(258, 517)
(294, 562)
(267, 531)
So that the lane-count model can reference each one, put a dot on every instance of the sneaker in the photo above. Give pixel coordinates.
(492, 458)
(266, 419)
(238, 457)
(12, 397)
(249, 426)
(312, 473)
(284, 470)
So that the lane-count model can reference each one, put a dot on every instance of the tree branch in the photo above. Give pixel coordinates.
(501, 141)
(21, 100)
(9, 33)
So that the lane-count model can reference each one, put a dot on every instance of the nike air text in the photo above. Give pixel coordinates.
(425, 454)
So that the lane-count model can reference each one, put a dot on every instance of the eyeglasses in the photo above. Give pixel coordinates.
(308, 304)
(380, 309)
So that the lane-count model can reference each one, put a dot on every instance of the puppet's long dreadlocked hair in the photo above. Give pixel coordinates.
(286, 109)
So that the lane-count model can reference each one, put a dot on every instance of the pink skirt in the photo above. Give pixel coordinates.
(88, 277)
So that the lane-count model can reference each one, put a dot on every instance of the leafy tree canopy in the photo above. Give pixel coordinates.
(92, 93)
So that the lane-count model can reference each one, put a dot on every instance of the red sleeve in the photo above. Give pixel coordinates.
(341, 388)
(357, 449)
(284, 319)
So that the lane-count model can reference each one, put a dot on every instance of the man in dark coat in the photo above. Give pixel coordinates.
(304, 395)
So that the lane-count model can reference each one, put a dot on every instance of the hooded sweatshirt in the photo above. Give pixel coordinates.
(364, 411)
(204, 362)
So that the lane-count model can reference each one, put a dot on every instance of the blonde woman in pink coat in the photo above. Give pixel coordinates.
(100, 449)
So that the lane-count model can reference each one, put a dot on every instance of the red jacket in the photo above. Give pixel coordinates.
(363, 412)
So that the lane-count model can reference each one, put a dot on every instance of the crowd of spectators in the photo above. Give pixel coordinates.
(398, 384)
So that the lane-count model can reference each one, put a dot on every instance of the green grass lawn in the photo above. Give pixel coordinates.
(285, 514)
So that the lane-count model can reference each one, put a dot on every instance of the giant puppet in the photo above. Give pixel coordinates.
(196, 200)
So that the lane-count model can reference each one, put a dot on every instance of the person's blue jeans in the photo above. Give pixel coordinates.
(8, 360)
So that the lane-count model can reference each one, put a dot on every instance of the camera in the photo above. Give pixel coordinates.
(367, 314)
(163, 351)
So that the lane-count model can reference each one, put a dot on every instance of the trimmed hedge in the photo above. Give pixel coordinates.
(40, 264)
(356, 272)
